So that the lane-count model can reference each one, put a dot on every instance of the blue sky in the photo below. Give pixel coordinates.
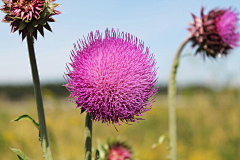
(161, 24)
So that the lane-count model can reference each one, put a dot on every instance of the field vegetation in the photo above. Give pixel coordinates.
(208, 125)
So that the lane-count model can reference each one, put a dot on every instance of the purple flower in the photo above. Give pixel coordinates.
(29, 16)
(215, 33)
(119, 151)
(112, 78)
(115, 150)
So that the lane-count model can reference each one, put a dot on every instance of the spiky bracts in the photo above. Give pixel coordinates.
(215, 33)
(112, 78)
(115, 150)
(29, 16)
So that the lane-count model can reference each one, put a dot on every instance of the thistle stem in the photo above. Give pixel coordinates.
(39, 101)
(171, 104)
(88, 138)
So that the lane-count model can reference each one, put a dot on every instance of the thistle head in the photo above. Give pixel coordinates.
(215, 33)
(112, 77)
(119, 151)
(29, 16)
(115, 150)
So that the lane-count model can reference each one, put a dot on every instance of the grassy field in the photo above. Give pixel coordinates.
(208, 127)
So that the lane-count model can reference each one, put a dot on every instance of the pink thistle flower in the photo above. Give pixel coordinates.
(215, 33)
(119, 151)
(115, 150)
(29, 16)
(112, 78)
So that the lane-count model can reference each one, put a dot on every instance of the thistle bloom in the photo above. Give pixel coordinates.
(29, 16)
(215, 33)
(115, 150)
(112, 78)
(119, 151)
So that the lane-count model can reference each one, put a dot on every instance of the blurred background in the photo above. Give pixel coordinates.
(208, 95)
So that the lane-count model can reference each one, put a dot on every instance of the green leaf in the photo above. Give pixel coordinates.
(97, 155)
(53, 5)
(160, 141)
(25, 116)
(44, 13)
(49, 10)
(42, 22)
(46, 3)
(20, 154)
(22, 25)
(101, 149)
(35, 23)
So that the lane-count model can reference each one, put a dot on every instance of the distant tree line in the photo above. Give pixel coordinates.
(19, 92)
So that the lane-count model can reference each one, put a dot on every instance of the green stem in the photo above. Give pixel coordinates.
(39, 101)
(88, 138)
(171, 104)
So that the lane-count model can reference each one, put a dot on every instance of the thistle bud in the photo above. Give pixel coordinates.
(29, 16)
(215, 33)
